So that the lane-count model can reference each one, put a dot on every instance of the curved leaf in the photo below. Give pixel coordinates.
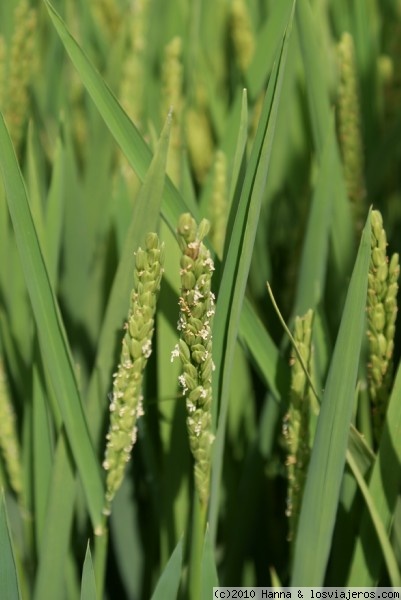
(54, 348)
(322, 488)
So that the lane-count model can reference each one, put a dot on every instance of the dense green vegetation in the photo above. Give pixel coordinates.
(260, 141)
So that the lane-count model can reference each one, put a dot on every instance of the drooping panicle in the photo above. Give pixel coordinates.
(242, 34)
(195, 345)
(382, 312)
(296, 421)
(9, 444)
(19, 65)
(126, 403)
(350, 131)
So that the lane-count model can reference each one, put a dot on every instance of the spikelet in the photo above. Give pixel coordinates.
(199, 136)
(132, 88)
(242, 34)
(382, 312)
(389, 70)
(195, 345)
(21, 67)
(132, 84)
(172, 85)
(219, 207)
(9, 444)
(349, 127)
(199, 142)
(126, 405)
(108, 17)
(296, 421)
(385, 69)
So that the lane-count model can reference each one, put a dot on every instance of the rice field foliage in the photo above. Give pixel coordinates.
(161, 162)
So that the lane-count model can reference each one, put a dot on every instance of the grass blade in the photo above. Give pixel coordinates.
(322, 489)
(237, 263)
(167, 586)
(390, 559)
(124, 131)
(360, 451)
(88, 585)
(57, 528)
(266, 46)
(323, 127)
(265, 354)
(42, 455)
(8, 573)
(126, 540)
(240, 146)
(312, 272)
(55, 352)
(384, 485)
(55, 211)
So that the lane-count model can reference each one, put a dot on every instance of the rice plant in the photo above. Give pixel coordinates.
(214, 182)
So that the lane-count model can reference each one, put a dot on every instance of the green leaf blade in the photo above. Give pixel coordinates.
(384, 485)
(168, 584)
(124, 131)
(88, 584)
(8, 573)
(237, 262)
(54, 348)
(321, 494)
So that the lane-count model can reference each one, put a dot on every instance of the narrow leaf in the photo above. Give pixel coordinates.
(57, 527)
(266, 46)
(88, 584)
(322, 489)
(8, 573)
(168, 584)
(323, 127)
(265, 354)
(312, 273)
(124, 131)
(384, 485)
(209, 571)
(237, 263)
(390, 559)
(54, 348)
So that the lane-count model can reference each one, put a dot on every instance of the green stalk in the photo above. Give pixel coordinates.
(100, 559)
(199, 519)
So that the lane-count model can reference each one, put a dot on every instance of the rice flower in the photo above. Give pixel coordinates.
(9, 444)
(195, 345)
(219, 206)
(349, 126)
(199, 141)
(20, 69)
(172, 98)
(382, 312)
(242, 34)
(126, 404)
(199, 134)
(108, 16)
(296, 421)
(132, 84)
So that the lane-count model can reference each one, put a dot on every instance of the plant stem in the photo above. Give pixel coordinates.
(100, 559)
(199, 518)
